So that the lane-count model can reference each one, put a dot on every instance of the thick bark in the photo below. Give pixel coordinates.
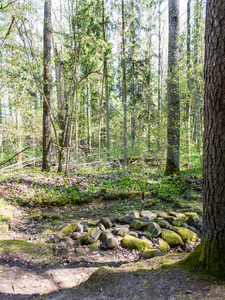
(46, 156)
(173, 125)
(210, 255)
(124, 91)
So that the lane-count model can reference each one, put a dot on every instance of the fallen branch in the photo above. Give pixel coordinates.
(3, 163)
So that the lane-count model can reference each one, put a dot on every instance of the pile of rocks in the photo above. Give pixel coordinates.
(150, 232)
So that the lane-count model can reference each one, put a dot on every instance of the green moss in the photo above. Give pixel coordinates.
(151, 253)
(28, 250)
(207, 258)
(193, 214)
(57, 222)
(171, 168)
(136, 224)
(187, 235)
(67, 230)
(177, 223)
(163, 244)
(130, 242)
(171, 237)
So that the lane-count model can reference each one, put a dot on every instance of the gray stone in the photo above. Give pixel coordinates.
(186, 247)
(86, 228)
(169, 219)
(164, 224)
(105, 235)
(61, 251)
(75, 235)
(106, 222)
(95, 234)
(135, 214)
(79, 228)
(101, 227)
(126, 219)
(112, 242)
(148, 214)
(134, 233)
(121, 231)
(193, 221)
(69, 241)
(153, 228)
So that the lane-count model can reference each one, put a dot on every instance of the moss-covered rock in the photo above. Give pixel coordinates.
(137, 224)
(94, 246)
(135, 214)
(131, 242)
(57, 222)
(151, 253)
(187, 214)
(163, 245)
(177, 223)
(126, 219)
(187, 235)
(67, 230)
(160, 213)
(153, 228)
(36, 214)
(163, 223)
(171, 237)
(90, 237)
(148, 214)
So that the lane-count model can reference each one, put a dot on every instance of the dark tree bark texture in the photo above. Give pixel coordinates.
(173, 125)
(46, 156)
(210, 254)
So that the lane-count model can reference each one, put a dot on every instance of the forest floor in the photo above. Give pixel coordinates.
(36, 273)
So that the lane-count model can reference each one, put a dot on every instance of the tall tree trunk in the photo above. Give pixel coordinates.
(89, 114)
(173, 125)
(106, 83)
(132, 30)
(197, 14)
(46, 156)
(159, 77)
(210, 254)
(188, 108)
(124, 91)
(19, 136)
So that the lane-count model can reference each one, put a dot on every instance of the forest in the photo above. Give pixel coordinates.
(112, 152)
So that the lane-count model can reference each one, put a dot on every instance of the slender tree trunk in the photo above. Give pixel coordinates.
(173, 125)
(89, 115)
(210, 255)
(132, 30)
(159, 78)
(124, 91)
(100, 119)
(46, 156)
(19, 136)
(106, 83)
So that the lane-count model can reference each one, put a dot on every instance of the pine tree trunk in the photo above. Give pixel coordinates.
(210, 254)
(46, 156)
(173, 125)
